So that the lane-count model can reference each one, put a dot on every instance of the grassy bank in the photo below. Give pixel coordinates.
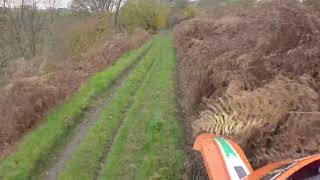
(148, 144)
(36, 148)
(85, 163)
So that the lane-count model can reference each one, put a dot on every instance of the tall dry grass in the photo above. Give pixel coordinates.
(253, 118)
(245, 70)
(30, 95)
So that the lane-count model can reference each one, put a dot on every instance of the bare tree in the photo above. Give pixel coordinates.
(21, 27)
(33, 28)
(117, 14)
(94, 5)
(2, 8)
(52, 6)
(13, 21)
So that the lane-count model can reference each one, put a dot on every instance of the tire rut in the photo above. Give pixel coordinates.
(104, 158)
(80, 132)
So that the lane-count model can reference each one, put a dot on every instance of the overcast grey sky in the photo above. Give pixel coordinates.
(41, 3)
(44, 3)
(64, 3)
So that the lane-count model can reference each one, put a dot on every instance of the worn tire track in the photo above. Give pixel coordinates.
(81, 131)
(104, 158)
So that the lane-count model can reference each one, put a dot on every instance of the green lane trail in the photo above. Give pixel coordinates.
(122, 124)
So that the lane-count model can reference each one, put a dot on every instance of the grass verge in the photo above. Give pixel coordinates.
(85, 163)
(36, 148)
(148, 144)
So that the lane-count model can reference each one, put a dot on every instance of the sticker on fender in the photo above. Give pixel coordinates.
(234, 164)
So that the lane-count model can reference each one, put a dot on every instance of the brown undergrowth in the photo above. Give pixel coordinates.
(253, 74)
(31, 93)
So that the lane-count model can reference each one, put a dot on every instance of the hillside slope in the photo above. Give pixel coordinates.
(27, 99)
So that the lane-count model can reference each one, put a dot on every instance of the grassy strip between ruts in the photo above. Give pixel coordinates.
(36, 148)
(85, 162)
(148, 144)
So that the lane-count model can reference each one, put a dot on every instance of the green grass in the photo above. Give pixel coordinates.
(37, 147)
(141, 121)
(85, 162)
(148, 144)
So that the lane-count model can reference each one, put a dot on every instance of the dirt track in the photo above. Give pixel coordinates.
(28, 98)
(89, 118)
(135, 122)
(106, 153)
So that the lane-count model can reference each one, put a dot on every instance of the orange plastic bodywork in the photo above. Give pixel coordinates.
(299, 164)
(265, 170)
(213, 159)
(216, 167)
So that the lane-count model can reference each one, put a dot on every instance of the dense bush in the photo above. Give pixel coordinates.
(86, 34)
(253, 74)
(148, 14)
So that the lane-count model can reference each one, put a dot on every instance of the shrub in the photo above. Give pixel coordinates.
(190, 11)
(87, 34)
(151, 15)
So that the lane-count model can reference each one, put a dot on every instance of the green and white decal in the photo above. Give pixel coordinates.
(235, 166)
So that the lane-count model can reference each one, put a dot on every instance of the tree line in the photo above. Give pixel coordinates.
(19, 29)
(25, 24)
